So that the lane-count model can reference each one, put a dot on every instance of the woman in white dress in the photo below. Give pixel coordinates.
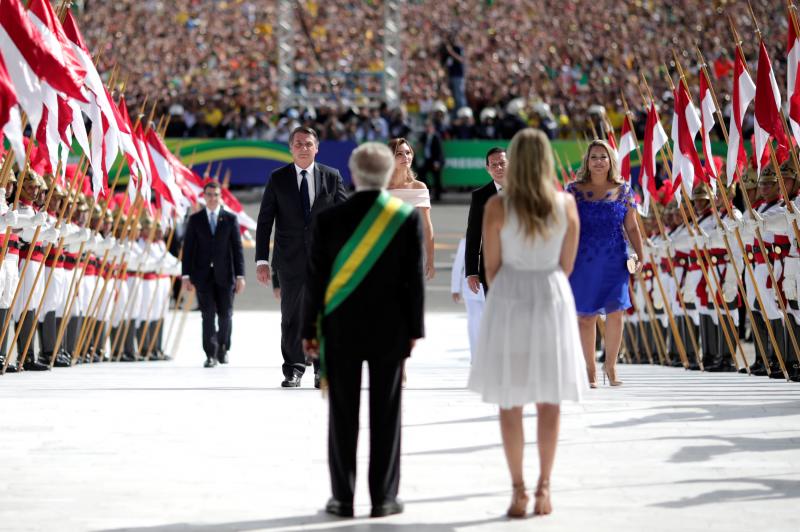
(529, 348)
(405, 186)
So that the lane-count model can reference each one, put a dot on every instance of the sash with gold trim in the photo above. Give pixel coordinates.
(357, 257)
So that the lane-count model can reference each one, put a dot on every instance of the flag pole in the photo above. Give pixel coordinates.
(709, 264)
(22, 272)
(758, 233)
(667, 300)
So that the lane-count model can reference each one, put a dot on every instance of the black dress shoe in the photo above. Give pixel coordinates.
(210, 362)
(127, 357)
(316, 381)
(222, 356)
(388, 508)
(338, 508)
(291, 382)
(62, 361)
(32, 365)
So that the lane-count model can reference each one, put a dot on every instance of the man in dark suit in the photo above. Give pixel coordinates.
(293, 195)
(213, 264)
(432, 159)
(473, 256)
(379, 321)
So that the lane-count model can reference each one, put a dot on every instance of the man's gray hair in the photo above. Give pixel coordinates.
(371, 165)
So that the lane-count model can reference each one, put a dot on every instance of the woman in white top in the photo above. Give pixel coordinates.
(529, 348)
(405, 186)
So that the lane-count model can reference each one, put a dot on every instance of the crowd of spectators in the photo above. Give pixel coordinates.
(475, 68)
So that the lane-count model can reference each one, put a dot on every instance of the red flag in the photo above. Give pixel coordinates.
(627, 144)
(707, 121)
(686, 166)
(744, 90)
(46, 21)
(654, 139)
(8, 98)
(768, 110)
(22, 44)
(792, 81)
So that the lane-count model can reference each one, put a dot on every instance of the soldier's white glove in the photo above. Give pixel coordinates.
(39, 218)
(49, 235)
(107, 244)
(10, 218)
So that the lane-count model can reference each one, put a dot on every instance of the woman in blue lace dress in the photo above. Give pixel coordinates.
(607, 210)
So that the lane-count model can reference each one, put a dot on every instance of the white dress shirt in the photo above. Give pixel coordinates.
(216, 214)
(312, 192)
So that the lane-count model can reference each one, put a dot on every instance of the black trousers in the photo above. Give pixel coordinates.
(344, 376)
(435, 183)
(294, 360)
(216, 309)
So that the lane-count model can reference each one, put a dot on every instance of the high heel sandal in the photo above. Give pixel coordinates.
(542, 505)
(593, 378)
(612, 379)
(519, 502)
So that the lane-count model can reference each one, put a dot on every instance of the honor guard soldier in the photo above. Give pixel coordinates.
(781, 224)
(769, 204)
(727, 295)
(9, 271)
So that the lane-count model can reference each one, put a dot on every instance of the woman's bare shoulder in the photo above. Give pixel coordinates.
(417, 184)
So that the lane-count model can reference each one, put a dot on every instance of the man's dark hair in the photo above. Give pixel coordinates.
(212, 184)
(496, 149)
(303, 129)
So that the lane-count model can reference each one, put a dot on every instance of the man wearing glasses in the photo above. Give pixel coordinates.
(213, 265)
(293, 195)
(473, 256)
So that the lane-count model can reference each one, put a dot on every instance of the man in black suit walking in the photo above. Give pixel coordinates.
(432, 159)
(213, 264)
(371, 310)
(473, 256)
(293, 195)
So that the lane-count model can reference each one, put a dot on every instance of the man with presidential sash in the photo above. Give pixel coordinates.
(364, 301)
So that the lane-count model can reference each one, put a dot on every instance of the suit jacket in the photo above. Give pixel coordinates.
(437, 150)
(223, 249)
(473, 256)
(282, 206)
(379, 319)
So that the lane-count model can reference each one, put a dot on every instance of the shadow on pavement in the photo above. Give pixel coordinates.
(762, 489)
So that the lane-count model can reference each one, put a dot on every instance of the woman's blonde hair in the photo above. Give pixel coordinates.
(613, 170)
(529, 190)
(394, 145)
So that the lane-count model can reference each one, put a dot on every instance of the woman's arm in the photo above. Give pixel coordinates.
(427, 230)
(493, 218)
(634, 235)
(569, 248)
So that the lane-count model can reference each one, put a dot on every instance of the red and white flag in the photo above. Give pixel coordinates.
(744, 90)
(627, 145)
(167, 184)
(654, 139)
(768, 111)
(686, 164)
(792, 86)
(230, 203)
(10, 123)
(32, 63)
(707, 122)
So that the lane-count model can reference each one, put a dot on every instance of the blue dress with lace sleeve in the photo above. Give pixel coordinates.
(600, 278)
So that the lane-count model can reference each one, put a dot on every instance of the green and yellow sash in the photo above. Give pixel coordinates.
(357, 257)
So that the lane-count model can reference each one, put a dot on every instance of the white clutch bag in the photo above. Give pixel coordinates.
(632, 261)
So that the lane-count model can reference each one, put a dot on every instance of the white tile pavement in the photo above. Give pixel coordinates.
(173, 446)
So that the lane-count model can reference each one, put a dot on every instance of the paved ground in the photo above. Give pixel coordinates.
(170, 446)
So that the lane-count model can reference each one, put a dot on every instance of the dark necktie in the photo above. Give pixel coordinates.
(304, 196)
